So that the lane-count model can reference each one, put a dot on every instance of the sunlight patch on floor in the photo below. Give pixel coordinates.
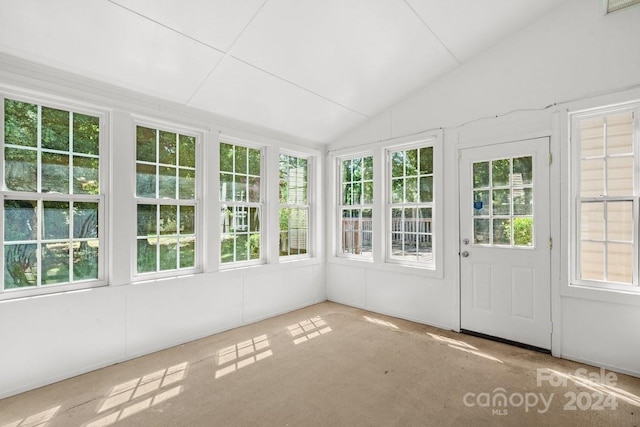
(308, 329)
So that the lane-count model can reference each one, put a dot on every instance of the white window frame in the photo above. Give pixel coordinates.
(574, 168)
(101, 198)
(362, 206)
(199, 244)
(261, 205)
(307, 206)
(435, 218)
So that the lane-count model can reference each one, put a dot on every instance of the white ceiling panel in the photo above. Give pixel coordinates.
(101, 40)
(238, 90)
(362, 54)
(468, 27)
(215, 23)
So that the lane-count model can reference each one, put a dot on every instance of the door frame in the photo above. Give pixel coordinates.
(554, 134)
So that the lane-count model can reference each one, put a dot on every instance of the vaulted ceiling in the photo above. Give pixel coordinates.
(310, 68)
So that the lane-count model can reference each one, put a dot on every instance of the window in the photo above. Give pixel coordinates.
(294, 207)
(52, 207)
(411, 206)
(241, 203)
(356, 203)
(167, 206)
(605, 193)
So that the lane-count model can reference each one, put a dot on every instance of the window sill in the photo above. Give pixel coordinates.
(608, 295)
(387, 266)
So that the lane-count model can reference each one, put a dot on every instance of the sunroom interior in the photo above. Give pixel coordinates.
(175, 170)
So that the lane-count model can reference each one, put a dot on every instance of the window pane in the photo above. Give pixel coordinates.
(240, 160)
(254, 189)
(523, 231)
(226, 187)
(55, 263)
(145, 144)
(20, 123)
(346, 171)
(397, 190)
(367, 172)
(168, 149)
(86, 134)
(522, 171)
(523, 201)
(501, 231)
(20, 265)
(500, 172)
(147, 255)
(242, 247)
(426, 160)
(357, 193)
(187, 252)
(187, 219)
(226, 157)
(187, 151)
(227, 248)
(620, 133)
(168, 253)
(240, 188)
(284, 243)
(592, 178)
(86, 175)
(21, 169)
(85, 260)
(426, 189)
(367, 233)
(481, 234)
(145, 180)
(411, 190)
(397, 164)
(620, 176)
(592, 221)
(56, 220)
(254, 246)
(254, 161)
(187, 184)
(347, 194)
(168, 219)
(481, 175)
(167, 182)
(620, 262)
(591, 137)
(368, 192)
(620, 221)
(20, 220)
(411, 168)
(55, 173)
(591, 260)
(254, 219)
(501, 202)
(55, 129)
(85, 220)
(147, 220)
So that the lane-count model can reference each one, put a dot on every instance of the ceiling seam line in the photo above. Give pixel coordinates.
(166, 27)
(227, 53)
(432, 32)
(301, 87)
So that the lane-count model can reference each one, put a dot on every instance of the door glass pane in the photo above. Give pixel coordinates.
(481, 202)
(523, 231)
(522, 171)
(481, 231)
(481, 175)
(501, 231)
(500, 172)
(523, 201)
(501, 202)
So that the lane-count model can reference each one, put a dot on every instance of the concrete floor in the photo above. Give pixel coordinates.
(332, 365)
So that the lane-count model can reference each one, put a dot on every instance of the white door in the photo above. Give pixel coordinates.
(505, 241)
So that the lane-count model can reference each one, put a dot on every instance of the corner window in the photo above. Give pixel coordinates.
(166, 196)
(241, 203)
(605, 196)
(356, 207)
(52, 207)
(411, 206)
(294, 206)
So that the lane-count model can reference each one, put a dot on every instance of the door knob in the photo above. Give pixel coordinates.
(465, 254)
(465, 241)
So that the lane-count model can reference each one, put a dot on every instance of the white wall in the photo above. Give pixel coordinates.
(51, 337)
(570, 58)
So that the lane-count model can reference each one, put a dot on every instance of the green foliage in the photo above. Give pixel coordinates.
(523, 231)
